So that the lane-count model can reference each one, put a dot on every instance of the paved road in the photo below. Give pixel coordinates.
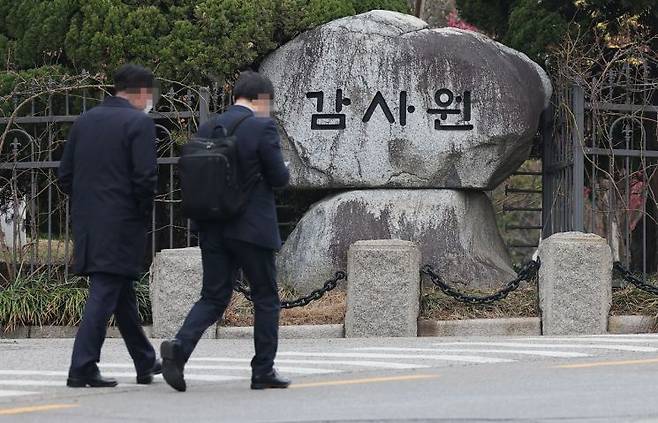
(584, 379)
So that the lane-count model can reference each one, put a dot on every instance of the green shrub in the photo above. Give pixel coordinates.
(40, 301)
(193, 41)
(361, 6)
(535, 27)
(9, 80)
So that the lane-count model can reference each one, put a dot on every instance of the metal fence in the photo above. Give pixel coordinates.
(35, 213)
(600, 149)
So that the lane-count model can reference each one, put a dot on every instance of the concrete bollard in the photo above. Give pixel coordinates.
(175, 286)
(575, 284)
(383, 289)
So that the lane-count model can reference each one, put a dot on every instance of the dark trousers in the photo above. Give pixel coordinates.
(110, 294)
(222, 258)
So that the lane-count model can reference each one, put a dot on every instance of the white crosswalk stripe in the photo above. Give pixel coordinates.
(352, 363)
(616, 347)
(33, 373)
(442, 357)
(26, 382)
(4, 393)
(558, 354)
(356, 356)
(207, 378)
(628, 335)
(299, 370)
(617, 339)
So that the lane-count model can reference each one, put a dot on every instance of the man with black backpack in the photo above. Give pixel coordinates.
(228, 172)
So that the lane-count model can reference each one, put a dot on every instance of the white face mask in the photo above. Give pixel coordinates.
(149, 106)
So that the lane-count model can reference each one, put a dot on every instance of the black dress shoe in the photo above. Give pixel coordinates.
(147, 378)
(173, 364)
(94, 380)
(269, 380)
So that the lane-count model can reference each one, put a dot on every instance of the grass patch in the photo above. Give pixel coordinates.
(330, 309)
(60, 253)
(525, 303)
(41, 301)
(520, 303)
(435, 305)
(633, 301)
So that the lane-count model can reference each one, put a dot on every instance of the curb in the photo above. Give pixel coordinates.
(625, 325)
(286, 332)
(56, 332)
(526, 326)
(18, 333)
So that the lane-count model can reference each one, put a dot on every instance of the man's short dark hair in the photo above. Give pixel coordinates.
(252, 84)
(133, 77)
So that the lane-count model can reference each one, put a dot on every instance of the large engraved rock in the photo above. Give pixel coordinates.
(455, 231)
(382, 100)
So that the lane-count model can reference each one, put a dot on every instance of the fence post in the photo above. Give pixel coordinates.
(547, 163)
(204, 105)
(578, 144)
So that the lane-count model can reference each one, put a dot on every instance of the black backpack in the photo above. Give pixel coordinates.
(211, 184)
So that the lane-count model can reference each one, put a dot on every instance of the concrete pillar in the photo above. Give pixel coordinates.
(383, 289)
(575, 284)
(175, 286)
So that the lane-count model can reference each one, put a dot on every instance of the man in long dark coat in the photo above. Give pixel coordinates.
(109, 169)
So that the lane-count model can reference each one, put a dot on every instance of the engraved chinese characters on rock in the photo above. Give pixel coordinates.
(443, 97)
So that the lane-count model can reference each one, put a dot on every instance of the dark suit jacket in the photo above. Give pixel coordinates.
(259, 151)
(109, 169)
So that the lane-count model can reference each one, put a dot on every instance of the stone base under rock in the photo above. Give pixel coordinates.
(455, 230)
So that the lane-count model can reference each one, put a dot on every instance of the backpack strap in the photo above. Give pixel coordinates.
(237, 124)
(228, 132)
(257, 177)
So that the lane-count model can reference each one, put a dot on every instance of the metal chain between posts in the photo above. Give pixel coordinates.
(527, 273)
(302, 301)
(630, 278)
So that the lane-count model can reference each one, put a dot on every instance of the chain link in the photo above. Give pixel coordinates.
(630, 278)
(302, 301)
(527, 273)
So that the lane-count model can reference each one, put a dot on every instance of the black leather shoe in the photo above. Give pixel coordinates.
(173, 364)
(270, 380)
(147, 378)
(94, 380)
